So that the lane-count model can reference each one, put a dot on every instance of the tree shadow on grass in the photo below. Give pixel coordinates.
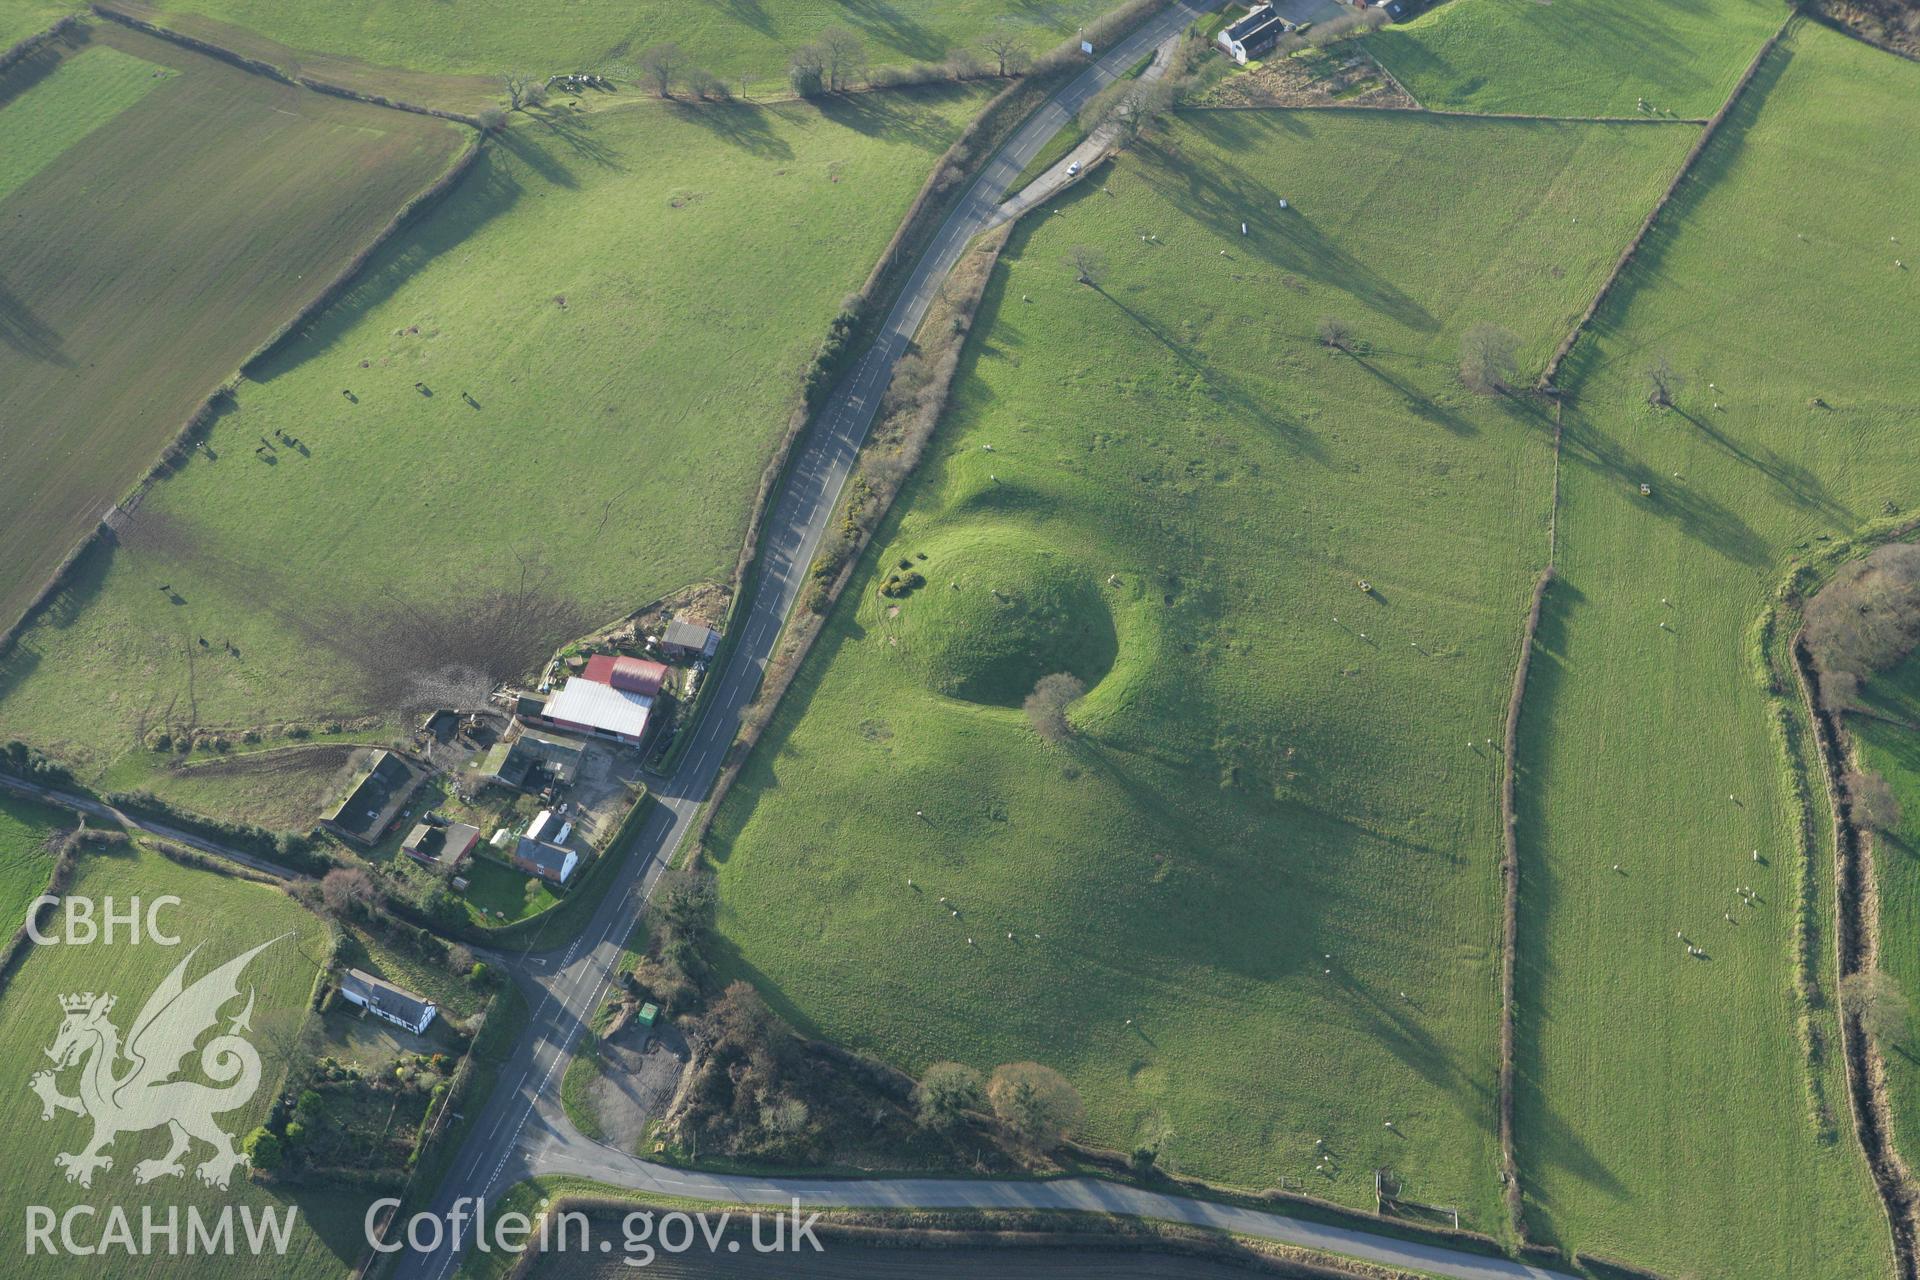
(576, 134)
(761, 775)
(489, 190)
(1222, 198)
(1417, 402)
(738, 124)
(1223, 386)
(1395, 1025)
(888, 25)
(1586, 444)
(531, 152)
(901, 114)
(1802, 487)
(1541, 1136)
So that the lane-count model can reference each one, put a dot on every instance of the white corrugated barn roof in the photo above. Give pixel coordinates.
(600, 706)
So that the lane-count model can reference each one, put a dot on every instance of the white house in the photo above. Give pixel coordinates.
(1254, 34)
(384, 1000)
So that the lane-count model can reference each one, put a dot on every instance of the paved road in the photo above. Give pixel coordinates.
(521, 1128)
(106, 812)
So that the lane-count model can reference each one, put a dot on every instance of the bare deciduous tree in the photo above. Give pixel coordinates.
(1046, 706)
(1663, 383)
(1876, 999)
(842, 57)
(1868, 617)
(807, 70)
(1127, 108)
(1487, 358)
(1336, 333)
(1089, 265)
(1872, 801)
(946, 1093)
(346, 892)
(523, 90)
(1008, 51)
(662, 65)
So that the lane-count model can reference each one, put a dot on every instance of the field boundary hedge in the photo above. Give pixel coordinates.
(1855, 928)
(261, 67)
(1639, 237)
(24, 47)
(1510, 877)
(217, 400)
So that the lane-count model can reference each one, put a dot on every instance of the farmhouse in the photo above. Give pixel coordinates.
(432, 842)
(531, 761)
(588, 706)
(548, 861)
(1254, 34)
(384, 1000)
(689, 641)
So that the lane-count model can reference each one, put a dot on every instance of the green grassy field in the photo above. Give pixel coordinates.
(1893, 751)
(500, 893)
(285, 787)
(750, 38)
(1662, 1109)
(628, 300)
(82, 93)
(1578, 57)
(223, 917)
(1182, 492)
(154, 252)
(26, 860)
(22, 18)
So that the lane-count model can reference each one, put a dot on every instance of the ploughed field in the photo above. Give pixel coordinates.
(165, 213)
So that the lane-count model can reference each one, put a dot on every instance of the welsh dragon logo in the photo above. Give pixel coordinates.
(130, 1088)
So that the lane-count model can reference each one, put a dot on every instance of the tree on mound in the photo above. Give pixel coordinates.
(1046, 706)
(1034, 1104)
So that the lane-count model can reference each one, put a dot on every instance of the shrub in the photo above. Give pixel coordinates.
(263, 1149)
(1046, 706)
(1872, 801)
(1034, 1104)
(946, 1093)
(808, 78)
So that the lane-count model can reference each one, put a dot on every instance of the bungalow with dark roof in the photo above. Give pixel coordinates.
(434, 843)
(384, 1000)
